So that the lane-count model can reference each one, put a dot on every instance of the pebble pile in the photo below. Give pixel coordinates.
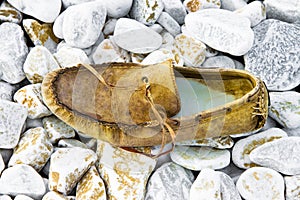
(41, 157)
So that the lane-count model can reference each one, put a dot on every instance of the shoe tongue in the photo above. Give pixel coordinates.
(129, 103)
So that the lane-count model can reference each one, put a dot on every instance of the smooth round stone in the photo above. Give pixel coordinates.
(31, 97)
(282, 155)
(146, 12)
(222, 142)
(198, 158)
(169, 23)
(68, 3)
(67, 166)
(274, 55)
(109, 26)
(82, 23)
(211, 184)
(33, 149)
(196, 5)
(285, 108)
(168, 40)
(243, 147)
(292, 189)
(54, 196)
(23, 197)
(232, 5)
(125, 173)
(71, 143)
(13, 116)
(261, 183)
(169, 182)
(162, 55)
(5, 197)
(38, 63)
(2, 164)
(43, 10)
(211, 27)
(13, 52)
(107, 51)
(175, 9)
(58, 25)
(118, 8)
(41, 34)
(22, 179)
(254, 11)
(192, 50)
(57, 129)
(91, 186)
(219, 62)
(135, 37)
(68, 57)
(33, 123)
(6, 91)
(9, 13)
(284, 10)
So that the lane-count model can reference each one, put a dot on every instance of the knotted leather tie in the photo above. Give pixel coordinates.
(160, 117)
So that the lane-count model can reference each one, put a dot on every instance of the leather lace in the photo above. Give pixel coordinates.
(160, 117)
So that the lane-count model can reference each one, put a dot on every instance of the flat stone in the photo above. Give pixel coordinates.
(91, 186)
(57, 129)
(282, 155)
(211, 27)
(196, 5)
(261, 183)
(108, 51)
(169, 182)
(58, 25)
(198, 158)
(68, 57)
(285, 108)
(125, 173)
(37, 9)
(274, 55)
(6, 91)
(210, 184)
(23, 197)
(13, 52)
(219, 62)
(135, 37)
(192, 50)
(41, 34)
(232, 5)
(146, 12)
(71, 143)
(65, 172)
(161, 55)
(243, 147)
(2, 164)
(222, 142)
(13, 116)
(169, 23)
(5, 197)
(30, 96)
(284, 10)
(38, 63)
(292, 189)
(118, 8)
(33, 149)
(22, 179)
(9, 13)
(175, 9)
(82, 23)
(254, 11)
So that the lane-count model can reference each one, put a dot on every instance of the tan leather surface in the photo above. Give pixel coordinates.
(124, 102)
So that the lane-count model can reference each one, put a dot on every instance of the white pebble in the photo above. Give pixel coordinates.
(157, 28)
(175, 9)
(254, 11)
(33, 123)
(232, 5)
(284, 10)
(67, 3)
(196, 5)
(197, 158)
(9, 13)
(71, 143)
(6, 91)
(160, 56)
(219, 61)
(22, 197)
(38, 63)
(292, 189)
(118, 8)
(13, 116)
(68, 57)
(22, 179)
(5, 197)
(82, 23)
(31, 97)
(211, 27)
(261, 183)
(169, 23)
(109, 26)
(58, 24)
(222, 142)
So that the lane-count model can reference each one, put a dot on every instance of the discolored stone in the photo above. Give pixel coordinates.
(168, 182)
(243, 147)
(9, 13)
(222, 142)
(196, 5)
(292, 189)
(162, 55)
(274, 55)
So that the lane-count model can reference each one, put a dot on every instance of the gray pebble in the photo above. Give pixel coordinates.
(169, 23)
(175, 9)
